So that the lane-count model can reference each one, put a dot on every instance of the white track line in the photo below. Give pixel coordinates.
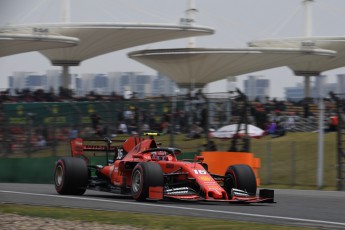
(182, 208)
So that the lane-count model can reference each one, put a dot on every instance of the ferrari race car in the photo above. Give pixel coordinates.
(140, 168)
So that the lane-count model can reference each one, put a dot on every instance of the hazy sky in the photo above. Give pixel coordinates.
(236, 22)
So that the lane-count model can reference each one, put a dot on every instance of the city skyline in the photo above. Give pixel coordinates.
(119, 83)
(269, 18)
(142, 85)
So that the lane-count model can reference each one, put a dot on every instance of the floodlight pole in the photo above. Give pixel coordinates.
(308, 18)
(308, 33)
(308, 30)
(66, 11)
(190, 17)
(65, 17)
(320, 155)
(172, 118)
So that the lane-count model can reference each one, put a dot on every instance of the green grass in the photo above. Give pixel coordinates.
(286, 162)
(292, 160)
(139, 220)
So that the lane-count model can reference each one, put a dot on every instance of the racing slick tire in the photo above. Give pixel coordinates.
(145, 174)
(71, 176)
(241, 177)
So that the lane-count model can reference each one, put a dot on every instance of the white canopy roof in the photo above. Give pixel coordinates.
(199, 66)
(97, 39)
(14, 43)
(310, 67)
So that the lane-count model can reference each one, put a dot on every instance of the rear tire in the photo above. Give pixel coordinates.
(144, 175)
(240, 177)
(71, 176)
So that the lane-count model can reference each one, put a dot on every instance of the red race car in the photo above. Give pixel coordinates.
(142, 169)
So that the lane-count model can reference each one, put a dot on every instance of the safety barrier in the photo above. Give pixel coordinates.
(218, 162)
(27, 170)
(40, 170)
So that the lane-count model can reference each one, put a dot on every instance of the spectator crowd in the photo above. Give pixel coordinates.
(193, 119)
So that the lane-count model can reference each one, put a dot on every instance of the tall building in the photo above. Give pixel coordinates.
(25, 80)
(101, 84)
(341, 83)
(296, 93)
(163, 85)
(114, 82)
(78, 86)
(142, 85)
(51, 81)
(54, 80)
(90, 82)
(256, 88)
(325, 89)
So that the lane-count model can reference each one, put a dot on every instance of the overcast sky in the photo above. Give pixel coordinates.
(236, 22)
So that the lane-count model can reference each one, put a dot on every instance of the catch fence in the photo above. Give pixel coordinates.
(284, 161)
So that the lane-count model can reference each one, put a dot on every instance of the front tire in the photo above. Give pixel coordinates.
(144, 175)
(240, 177)
(71, 176)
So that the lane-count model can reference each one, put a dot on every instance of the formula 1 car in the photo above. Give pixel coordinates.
(140, 168)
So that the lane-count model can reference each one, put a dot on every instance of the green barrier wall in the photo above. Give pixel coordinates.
(40, 170)
(27, 170)
(75, 113)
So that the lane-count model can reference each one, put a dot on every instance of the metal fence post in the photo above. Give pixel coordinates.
(28, 142)
(54, 138)
(268, 162)
(293, 163)
(172, 120)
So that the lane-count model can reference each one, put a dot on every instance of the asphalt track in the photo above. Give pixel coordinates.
(321, 209)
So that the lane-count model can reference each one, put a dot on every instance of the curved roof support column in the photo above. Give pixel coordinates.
(307, 86)
(307, 75)
(65, 64)
(66, 77)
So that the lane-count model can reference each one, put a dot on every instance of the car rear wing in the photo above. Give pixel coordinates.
(78, 147)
